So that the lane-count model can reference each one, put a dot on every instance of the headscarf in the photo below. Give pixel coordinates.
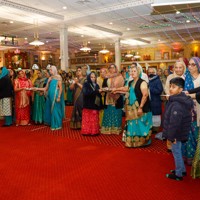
(115, 81)
(89, 78)
(34, 77)
(4, 72)
(88, 70)
(55, 74)
(188, 78)
(39, 82)
(24, 78)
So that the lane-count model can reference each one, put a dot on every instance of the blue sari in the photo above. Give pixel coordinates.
(189, 148)
(54, 111)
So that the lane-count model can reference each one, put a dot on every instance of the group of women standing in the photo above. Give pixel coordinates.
(40, 100)
(108, 97)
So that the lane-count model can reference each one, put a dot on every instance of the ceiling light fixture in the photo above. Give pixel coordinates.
(104, 50)
(178, 12)
(85, 48)
(188, 21)
(129, 55)
(36, 41)
(137, 55)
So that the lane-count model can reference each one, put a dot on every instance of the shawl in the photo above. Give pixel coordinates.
(4, 72)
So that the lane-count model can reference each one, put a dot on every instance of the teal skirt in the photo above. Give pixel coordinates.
(112, 120)
(138, 131)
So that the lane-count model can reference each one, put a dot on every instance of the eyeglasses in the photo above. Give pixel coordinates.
(192, 64)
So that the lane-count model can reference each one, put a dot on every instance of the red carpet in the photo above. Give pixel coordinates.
(38, 164)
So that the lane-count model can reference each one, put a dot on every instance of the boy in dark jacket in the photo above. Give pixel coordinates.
(176, 124)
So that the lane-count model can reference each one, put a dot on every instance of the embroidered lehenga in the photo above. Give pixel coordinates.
(138, 128)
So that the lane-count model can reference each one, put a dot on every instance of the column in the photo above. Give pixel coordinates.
(64, 54)
(118, 54)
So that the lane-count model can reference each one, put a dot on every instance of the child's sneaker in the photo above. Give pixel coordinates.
(174, 172)
(174, 177)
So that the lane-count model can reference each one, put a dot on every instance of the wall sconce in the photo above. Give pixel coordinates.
(43, 58)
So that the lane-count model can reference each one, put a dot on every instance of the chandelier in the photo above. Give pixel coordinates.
(137, 55)
(36, 41)
(104, 50)
(129, 55)
(85, 48)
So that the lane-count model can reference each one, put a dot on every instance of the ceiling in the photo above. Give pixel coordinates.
(138, 23)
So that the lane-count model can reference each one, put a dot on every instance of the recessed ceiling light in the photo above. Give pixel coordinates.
(11, 22)
(178, 12)
(88, 42)
(158, 40)
(64, 7)
(82, 35)
(188, 21)
(128, 29)
(25, 38)
(110, 23)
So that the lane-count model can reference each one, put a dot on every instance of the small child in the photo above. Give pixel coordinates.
(176, 124)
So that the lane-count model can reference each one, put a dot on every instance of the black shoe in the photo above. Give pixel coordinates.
(169, 150)
(174, 177)
(174, 172)
(5, 125)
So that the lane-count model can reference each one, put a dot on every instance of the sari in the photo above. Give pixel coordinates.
(112, 117)
(22, 100)
(39, 102)
(76, 118)
(69, 92)
(189, 147)
(54, 111)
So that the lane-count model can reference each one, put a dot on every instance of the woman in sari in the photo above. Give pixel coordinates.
(112, 118)
(100, 79)
(38, 99)
(6, 93)
(69, 81)
(138, 115)
(192, 80)
(22, 87)
(76, 118)
(55, 105)
(91, 105)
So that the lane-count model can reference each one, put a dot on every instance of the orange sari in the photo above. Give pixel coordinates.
(22, 101)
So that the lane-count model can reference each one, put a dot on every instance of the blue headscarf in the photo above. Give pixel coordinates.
(4, 72)
(188, 78)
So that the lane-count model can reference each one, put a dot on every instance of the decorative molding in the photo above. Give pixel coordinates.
(30, 9)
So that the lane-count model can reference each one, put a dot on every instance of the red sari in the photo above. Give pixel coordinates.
(22, 101)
